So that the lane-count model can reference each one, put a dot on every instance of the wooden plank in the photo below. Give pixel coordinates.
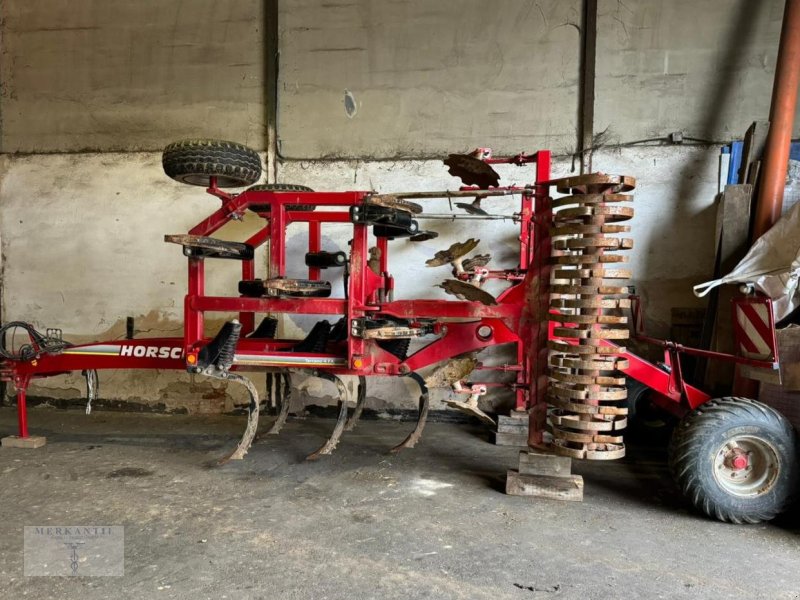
(541, 486)
(512, 425)
(733, 223)
(735, 241)
(512, 428)
(753, 150)
(32, 441)
(786, 402)
(510, 439)
(787, 380)
(789, 352)
(539, 463)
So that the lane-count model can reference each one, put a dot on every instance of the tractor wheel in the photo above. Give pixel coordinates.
(280, 187)
(647, 422)
(736, 460)
(196, 161)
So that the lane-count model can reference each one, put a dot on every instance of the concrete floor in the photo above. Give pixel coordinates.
(429, 523)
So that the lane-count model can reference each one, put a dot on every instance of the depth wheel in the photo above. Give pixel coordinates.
(735, 459)
(280, 187)
(195, 162)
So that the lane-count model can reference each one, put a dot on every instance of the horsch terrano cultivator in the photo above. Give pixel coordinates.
(564, 312)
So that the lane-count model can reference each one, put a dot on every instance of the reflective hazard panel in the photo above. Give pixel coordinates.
(754, 328)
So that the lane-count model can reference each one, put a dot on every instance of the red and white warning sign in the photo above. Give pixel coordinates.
(754, 328)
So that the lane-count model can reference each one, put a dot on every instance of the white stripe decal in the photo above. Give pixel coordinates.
(287, 359)
(94, 349)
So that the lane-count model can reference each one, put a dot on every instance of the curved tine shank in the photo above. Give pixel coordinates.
(252, 420)
(92, 387)
(361, 400)
(333, 441)
(424, 404)
(284, 396)
(268, 400)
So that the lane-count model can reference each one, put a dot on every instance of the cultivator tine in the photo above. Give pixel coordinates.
(333, 441)
(269, 400)
(473, 208)
(252, 418)
(92, 387)
(284, 397)
(361, 400)
(470, 406)
(424, 405)
(453, 253)
(467, 291)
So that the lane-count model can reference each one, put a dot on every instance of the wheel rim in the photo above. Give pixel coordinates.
(746, 466)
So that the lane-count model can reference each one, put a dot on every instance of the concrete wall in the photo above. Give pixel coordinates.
(118, 75)
(82, 233)
(419, 78)
(705, 68)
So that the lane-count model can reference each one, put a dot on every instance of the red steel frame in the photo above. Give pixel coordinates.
(519, 318)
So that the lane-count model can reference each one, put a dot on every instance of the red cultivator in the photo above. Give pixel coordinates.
(571, 313)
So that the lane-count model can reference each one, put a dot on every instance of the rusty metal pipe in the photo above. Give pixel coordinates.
(781, 118)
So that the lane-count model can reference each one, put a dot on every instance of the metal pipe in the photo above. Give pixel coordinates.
(781, 117)
(459, 217)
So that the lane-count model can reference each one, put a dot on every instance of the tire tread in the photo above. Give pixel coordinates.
(213, 158)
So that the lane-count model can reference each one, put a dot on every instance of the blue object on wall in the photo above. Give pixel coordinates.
(735, 150)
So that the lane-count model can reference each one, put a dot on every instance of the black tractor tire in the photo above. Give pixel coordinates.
(195, 162)
(280, 187)
(646, 422)
(713, 431)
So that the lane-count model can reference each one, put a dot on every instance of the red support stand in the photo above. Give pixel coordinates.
(22, 406)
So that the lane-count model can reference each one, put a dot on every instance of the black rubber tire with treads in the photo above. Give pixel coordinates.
(195, 161)
(704, 432)
(646, 422)
(280, 187)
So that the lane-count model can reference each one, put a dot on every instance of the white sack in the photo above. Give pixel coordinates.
(772, 265)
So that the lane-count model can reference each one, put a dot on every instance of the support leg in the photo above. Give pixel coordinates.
(424, 403)
(22, 407)
(361, 400)
(23, 440)
(333, 441)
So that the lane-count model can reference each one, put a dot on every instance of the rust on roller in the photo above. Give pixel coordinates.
(585, 388)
